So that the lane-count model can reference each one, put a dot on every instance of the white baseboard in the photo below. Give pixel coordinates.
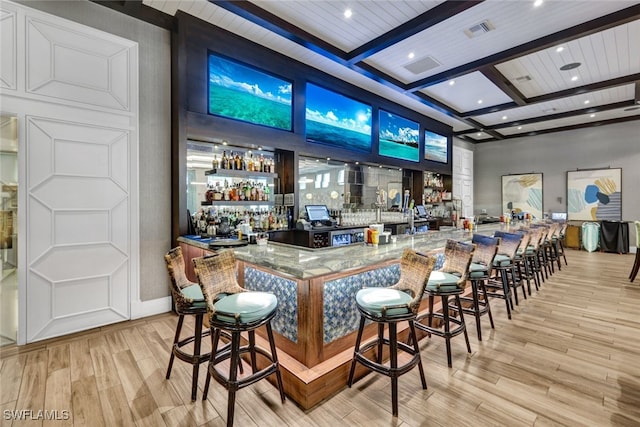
(149, 308)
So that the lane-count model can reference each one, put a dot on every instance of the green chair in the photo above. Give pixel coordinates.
(449, 281)
(390, 306)
(233, 310)
(188, 300)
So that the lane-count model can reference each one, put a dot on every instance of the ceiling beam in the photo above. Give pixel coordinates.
(578, 90)
(563, 115)
(498, 79)
(428, 19)
(637, 93)
(596, 25)
(558, 129)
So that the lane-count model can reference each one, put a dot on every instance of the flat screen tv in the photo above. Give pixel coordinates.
(337, 120)
(399, 137)
(245, 93)
(435, 147)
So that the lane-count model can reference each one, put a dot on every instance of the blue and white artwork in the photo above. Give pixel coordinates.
(435, 147)
(399, 137)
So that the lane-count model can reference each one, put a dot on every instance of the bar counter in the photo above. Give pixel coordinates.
(317, 317)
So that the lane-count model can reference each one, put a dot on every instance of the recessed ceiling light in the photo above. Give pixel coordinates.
(504, 117)
(587, 101)
(479, 101)
(570, 66)
(592, 116)
(348, 13)
(452, 82)
(519, 127)
(328, 158)
(357, 163)
(537, 3)
(411, 55)
(574, 78)
(559, 49)
(478, 134)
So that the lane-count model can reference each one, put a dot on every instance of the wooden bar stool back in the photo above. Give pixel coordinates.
(188, 300)
(504, 269)
(234, 310)
(389, 306)
(449, 281)
(479, 273)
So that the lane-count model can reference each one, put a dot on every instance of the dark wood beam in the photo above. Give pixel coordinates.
(637, 93)
(433, 16)
(498, 79)
(614, 19)
(138, 10)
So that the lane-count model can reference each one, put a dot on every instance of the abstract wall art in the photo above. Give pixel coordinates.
(594, 194)
(522, 194)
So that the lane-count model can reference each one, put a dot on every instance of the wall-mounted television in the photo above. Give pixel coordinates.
(242, 92)
(435, 147)
(337, 120)
(399, 137)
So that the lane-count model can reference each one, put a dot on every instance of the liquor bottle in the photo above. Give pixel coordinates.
(225, 160)
(251, 164)
(215, 164)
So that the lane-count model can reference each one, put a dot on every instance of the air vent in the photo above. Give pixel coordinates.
(422, 65)
(479, 29)
(523, 79)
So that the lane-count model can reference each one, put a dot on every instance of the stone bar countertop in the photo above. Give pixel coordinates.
(304, 263)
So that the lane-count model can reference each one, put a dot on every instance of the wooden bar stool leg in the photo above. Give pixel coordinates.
(486, 301)
(476, 308)
(414, 338)
(393, 361)
(356, 350)
(176, 339)
(197, 344)
(447, 327)
(233, 376)
(272, 345)
(464, 325)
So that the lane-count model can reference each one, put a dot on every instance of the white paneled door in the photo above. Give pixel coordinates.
(78, 216)
(74, 90)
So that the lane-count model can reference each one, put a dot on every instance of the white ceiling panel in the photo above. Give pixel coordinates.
(515, 22)
(467, 93)
(577, 102)
(604, 56)
(326, 20)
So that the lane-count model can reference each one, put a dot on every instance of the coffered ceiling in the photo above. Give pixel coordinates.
(491, 69)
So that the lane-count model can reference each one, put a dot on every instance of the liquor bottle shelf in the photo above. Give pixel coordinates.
(234, 173)
(238, 203)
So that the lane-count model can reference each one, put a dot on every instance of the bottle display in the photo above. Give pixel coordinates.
(224, 221)
(244, 162)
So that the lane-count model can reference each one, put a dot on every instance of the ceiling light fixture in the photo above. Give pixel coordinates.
(411, 55)
(452, 82)
(587, 101)
(479, 101)
(504, 117)
(348, 13)
(559, 49)
(592, 116)
(519, 127)
(574, 78)
(478, 134)
(570, 66)
(537, 3)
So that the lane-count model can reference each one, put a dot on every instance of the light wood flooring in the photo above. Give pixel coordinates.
(570, 356)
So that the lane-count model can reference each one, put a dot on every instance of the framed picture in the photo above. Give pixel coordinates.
(522, 193)
(594, 194)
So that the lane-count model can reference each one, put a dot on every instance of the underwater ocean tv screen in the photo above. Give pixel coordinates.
(337, 120)
(245, 93)
(435, 147)
(399, 137)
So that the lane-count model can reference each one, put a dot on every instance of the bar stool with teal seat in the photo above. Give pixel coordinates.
(505, 269)
(479, 273)
(188, 301)
(449, 281)
(234, 310)
(390, 306)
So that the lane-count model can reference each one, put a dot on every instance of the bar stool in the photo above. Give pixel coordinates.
(390, 306)
(531, 260)
(449, 281)
(636, 263)
(188, 300)
(504, 266)
(521, 264)
(560, 241)
(234, 310)
(479, 269)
